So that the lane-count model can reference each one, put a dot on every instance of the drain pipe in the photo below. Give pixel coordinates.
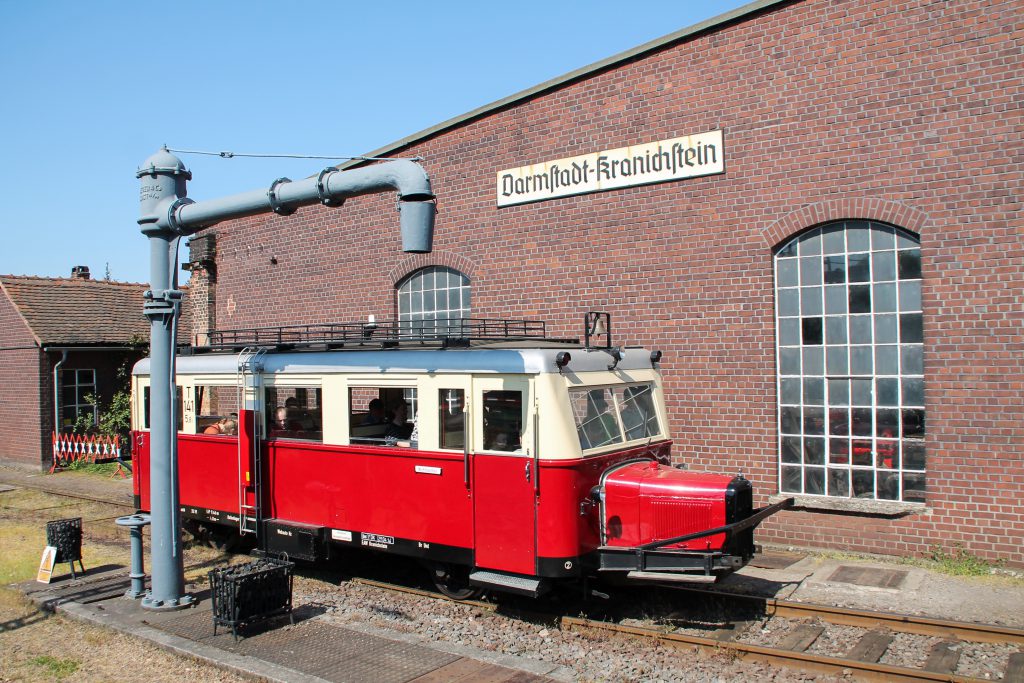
(56, 391)
(166, 214)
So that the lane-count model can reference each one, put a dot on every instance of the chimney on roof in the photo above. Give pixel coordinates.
(80, 272)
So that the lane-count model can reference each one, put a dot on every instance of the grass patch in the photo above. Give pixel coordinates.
(960, 562)
(58, 668)
(99, 469)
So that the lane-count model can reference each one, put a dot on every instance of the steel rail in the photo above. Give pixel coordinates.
(775, 657)
(61, 492)
(902, 623)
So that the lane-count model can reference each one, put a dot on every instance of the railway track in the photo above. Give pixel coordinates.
(802, 625)
(802, 636)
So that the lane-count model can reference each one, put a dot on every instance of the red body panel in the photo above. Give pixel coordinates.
(374, 490)
(505, 508)
(647, 502)
(208, 472)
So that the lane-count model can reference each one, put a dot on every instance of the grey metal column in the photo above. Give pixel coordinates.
(163, 179)
(166, 215)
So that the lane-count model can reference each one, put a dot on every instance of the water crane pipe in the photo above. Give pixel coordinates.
(166, 214)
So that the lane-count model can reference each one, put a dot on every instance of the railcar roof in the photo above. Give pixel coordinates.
(497, 358)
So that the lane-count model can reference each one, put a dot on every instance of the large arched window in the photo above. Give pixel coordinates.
(850, 363)
(431, 294)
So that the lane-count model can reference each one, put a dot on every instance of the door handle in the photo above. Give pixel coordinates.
(526, 471)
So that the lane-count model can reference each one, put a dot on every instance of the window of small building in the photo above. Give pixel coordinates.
(179, 412)
(451, 418)
(383, 416)
(78, 398)
(216, 410)
(502, 420)
(850, 363)
(433, 299)
(294, 413)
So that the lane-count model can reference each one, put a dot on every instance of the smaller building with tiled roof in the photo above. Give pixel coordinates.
(64, 344)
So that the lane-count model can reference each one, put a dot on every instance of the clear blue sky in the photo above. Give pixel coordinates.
(91, 89)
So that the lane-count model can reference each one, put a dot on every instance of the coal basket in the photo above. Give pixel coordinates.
(246, 593)
(66, 536)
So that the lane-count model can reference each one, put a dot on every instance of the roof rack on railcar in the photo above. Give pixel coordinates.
(390, 334)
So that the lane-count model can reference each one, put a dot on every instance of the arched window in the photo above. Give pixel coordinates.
(850, 363)
(431, 294)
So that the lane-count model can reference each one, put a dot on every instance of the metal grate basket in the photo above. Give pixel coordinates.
(246, 593)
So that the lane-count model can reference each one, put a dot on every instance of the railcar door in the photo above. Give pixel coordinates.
(504, 475)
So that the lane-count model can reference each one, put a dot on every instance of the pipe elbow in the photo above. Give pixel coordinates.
(406, 177)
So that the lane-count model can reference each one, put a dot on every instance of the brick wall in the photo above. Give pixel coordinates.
(20, 368)
(906, 112)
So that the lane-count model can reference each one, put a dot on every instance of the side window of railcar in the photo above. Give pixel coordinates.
(502, 417)
(383, 416)
(216, 410)
(596, 421)
(180, 410)
(294, 413)
(636, 408)
(451, 418)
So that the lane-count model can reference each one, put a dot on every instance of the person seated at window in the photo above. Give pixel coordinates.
(284, 426)
(375, 414)
(223, 427)
(399, 427)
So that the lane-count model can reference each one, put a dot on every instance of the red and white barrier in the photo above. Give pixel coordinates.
(71, 448)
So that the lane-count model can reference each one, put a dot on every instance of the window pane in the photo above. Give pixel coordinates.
(860, 423)
(812, 332)
(791, 449)
(792, 480)
(839, 483)
(814, 361)
(293, 413)
(810, 243)
(885, 297)
(787, 251)
(912, 359)
(810, 271)
(861, 392)
(888, 423)
(835, 270)
(863, 484)
(814, 421)
(859, 267)
(790, 420)
(858, 236)
(913, 392)
(887, 392)
(833, 239)
(910, 264)
(789, 390)
(911, 328)
(452, 418)
(835, 299)
(835, 330)
(913, 423)
(839, 392)
(860, 360)
(814, 451)
(884, 264)
(839, 451)
(860, 329)
(503, 419)
(789, 361)
(836, 360)
(789, 302)
(889, 485)
(786, 273)
(814, 481)
(814, 391)
(887, 360)
(914, 488)
(862, 453)
(596, 422)
(810, 300)
(913, 455)
(838, 421)
(910, 295)
(789, 332)
(636, 411)
(860, 298)
(882, 237)
(885, 329)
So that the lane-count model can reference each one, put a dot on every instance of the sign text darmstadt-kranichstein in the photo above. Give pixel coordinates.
(655, 162)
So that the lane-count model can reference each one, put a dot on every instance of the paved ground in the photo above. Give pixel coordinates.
(314, 651)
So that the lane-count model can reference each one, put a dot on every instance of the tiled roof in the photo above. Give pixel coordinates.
(78, 312)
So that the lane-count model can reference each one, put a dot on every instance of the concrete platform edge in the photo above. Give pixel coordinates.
(222, 659)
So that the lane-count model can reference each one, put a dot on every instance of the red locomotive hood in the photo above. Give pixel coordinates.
(646, 501)
(654, 479)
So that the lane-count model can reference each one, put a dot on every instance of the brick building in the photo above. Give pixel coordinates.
(832, 267)
(63, 340)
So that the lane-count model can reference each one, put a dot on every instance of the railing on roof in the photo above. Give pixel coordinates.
(385, 334)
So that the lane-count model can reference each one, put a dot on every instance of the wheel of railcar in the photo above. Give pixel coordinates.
(453, 581)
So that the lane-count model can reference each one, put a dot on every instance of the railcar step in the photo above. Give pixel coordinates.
(512, 583)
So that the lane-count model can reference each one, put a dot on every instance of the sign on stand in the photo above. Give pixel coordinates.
(46, 564)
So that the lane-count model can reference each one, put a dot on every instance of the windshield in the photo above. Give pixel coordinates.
(612, 415)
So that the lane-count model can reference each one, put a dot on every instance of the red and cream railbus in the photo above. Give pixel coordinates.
(501, 458)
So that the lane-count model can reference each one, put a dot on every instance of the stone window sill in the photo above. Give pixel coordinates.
(883, 508)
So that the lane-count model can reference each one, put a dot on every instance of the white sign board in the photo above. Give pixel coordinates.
(656, 162)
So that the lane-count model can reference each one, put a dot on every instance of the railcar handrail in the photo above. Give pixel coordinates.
(452, 332)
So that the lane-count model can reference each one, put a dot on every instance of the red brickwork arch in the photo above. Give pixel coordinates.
(436, 258)
(883, 210)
